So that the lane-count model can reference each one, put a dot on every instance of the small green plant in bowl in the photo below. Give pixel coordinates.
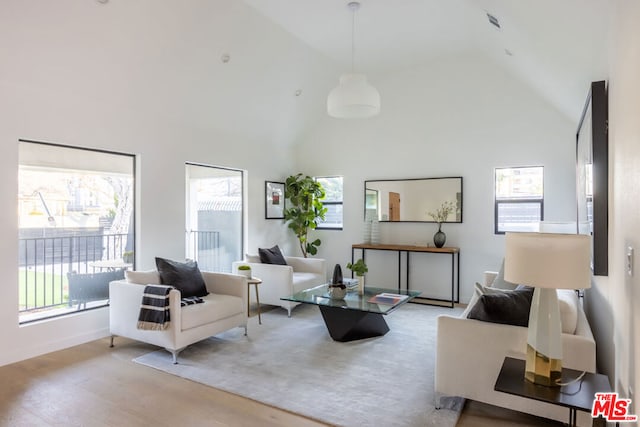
(244, 270)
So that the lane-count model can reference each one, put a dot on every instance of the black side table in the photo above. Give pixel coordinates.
(577, 396)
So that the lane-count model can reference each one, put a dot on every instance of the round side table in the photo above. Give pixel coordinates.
(255, 282)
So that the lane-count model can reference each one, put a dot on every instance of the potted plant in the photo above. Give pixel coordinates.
(245, 270)
(359, 268)
(306, 209)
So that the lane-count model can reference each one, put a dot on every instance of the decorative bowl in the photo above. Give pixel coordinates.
(336, 292)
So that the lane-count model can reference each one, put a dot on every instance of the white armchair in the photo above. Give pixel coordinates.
(224, 308)
(283, 280)
(469, 355)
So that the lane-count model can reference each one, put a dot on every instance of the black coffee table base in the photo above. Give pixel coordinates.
(349, 325)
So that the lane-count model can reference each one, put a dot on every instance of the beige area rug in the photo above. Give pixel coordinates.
(292, 363)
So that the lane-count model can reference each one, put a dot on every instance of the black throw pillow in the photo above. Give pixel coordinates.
(510, 308)
(271, 256)
(184, 276)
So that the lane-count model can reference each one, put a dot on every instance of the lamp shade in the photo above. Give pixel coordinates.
(548, 260)
(354, 97)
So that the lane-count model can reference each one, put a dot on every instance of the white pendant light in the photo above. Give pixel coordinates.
(354, 97)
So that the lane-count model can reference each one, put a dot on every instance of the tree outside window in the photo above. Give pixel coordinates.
(333, 201)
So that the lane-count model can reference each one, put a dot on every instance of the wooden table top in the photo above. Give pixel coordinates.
(409, 248)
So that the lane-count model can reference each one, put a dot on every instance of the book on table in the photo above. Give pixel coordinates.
(350, 283)
(387, 298)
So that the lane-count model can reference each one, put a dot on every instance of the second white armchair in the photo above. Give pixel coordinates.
(283, 280)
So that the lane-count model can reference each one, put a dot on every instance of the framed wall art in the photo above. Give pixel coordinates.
(274, 200)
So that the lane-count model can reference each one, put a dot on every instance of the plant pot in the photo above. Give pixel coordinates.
(361, 285)
(245, 273)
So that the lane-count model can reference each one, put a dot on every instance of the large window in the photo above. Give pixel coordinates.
(332, 201)
(75, 227)
(214, 216)
(519, 199)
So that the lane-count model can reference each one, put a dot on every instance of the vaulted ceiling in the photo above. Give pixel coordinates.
(164, 60)
(557, 47)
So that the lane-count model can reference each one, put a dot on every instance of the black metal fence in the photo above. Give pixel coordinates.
(44, 263)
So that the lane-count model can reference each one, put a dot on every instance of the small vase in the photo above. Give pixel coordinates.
(366, 231)
(360, 285)
(337, 275)
(375, 232)
(439, 238)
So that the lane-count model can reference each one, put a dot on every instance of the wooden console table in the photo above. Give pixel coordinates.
(455, 263)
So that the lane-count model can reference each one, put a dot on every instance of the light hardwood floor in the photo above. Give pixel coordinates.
(94, 385)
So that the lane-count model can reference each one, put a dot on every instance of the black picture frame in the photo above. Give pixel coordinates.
(592, 176)
(274, 200)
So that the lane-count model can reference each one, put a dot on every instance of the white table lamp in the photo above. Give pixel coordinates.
(546, 261)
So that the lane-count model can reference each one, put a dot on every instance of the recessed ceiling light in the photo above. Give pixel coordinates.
(225, 58)
(298, 92)
(508, 52)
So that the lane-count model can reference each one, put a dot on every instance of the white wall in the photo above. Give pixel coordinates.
(455, 117)
(145, 78)
(614, 301)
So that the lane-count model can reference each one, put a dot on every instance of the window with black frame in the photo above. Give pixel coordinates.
(76, 227)
(214, 220)
(333, 201)
(519, 199)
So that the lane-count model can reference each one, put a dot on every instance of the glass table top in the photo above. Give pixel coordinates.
(352, 301)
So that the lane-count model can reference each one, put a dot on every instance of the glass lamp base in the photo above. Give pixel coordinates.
(541, 369)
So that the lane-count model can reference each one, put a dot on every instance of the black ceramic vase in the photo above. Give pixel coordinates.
(337, 275)
(439, 238)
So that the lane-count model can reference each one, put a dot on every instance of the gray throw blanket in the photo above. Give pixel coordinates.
(154, 310)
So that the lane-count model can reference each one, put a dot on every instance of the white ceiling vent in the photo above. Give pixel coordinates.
(493, 20)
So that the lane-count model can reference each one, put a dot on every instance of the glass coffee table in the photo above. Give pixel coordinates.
(353, 317)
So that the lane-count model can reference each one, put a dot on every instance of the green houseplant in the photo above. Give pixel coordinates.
(305, 200)
(359, 268)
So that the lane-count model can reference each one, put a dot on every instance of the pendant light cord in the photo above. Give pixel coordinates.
(353, 38)
(354, 6)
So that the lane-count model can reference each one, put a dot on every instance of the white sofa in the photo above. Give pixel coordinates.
(224, 308)
(283, 280)
(469, 355)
